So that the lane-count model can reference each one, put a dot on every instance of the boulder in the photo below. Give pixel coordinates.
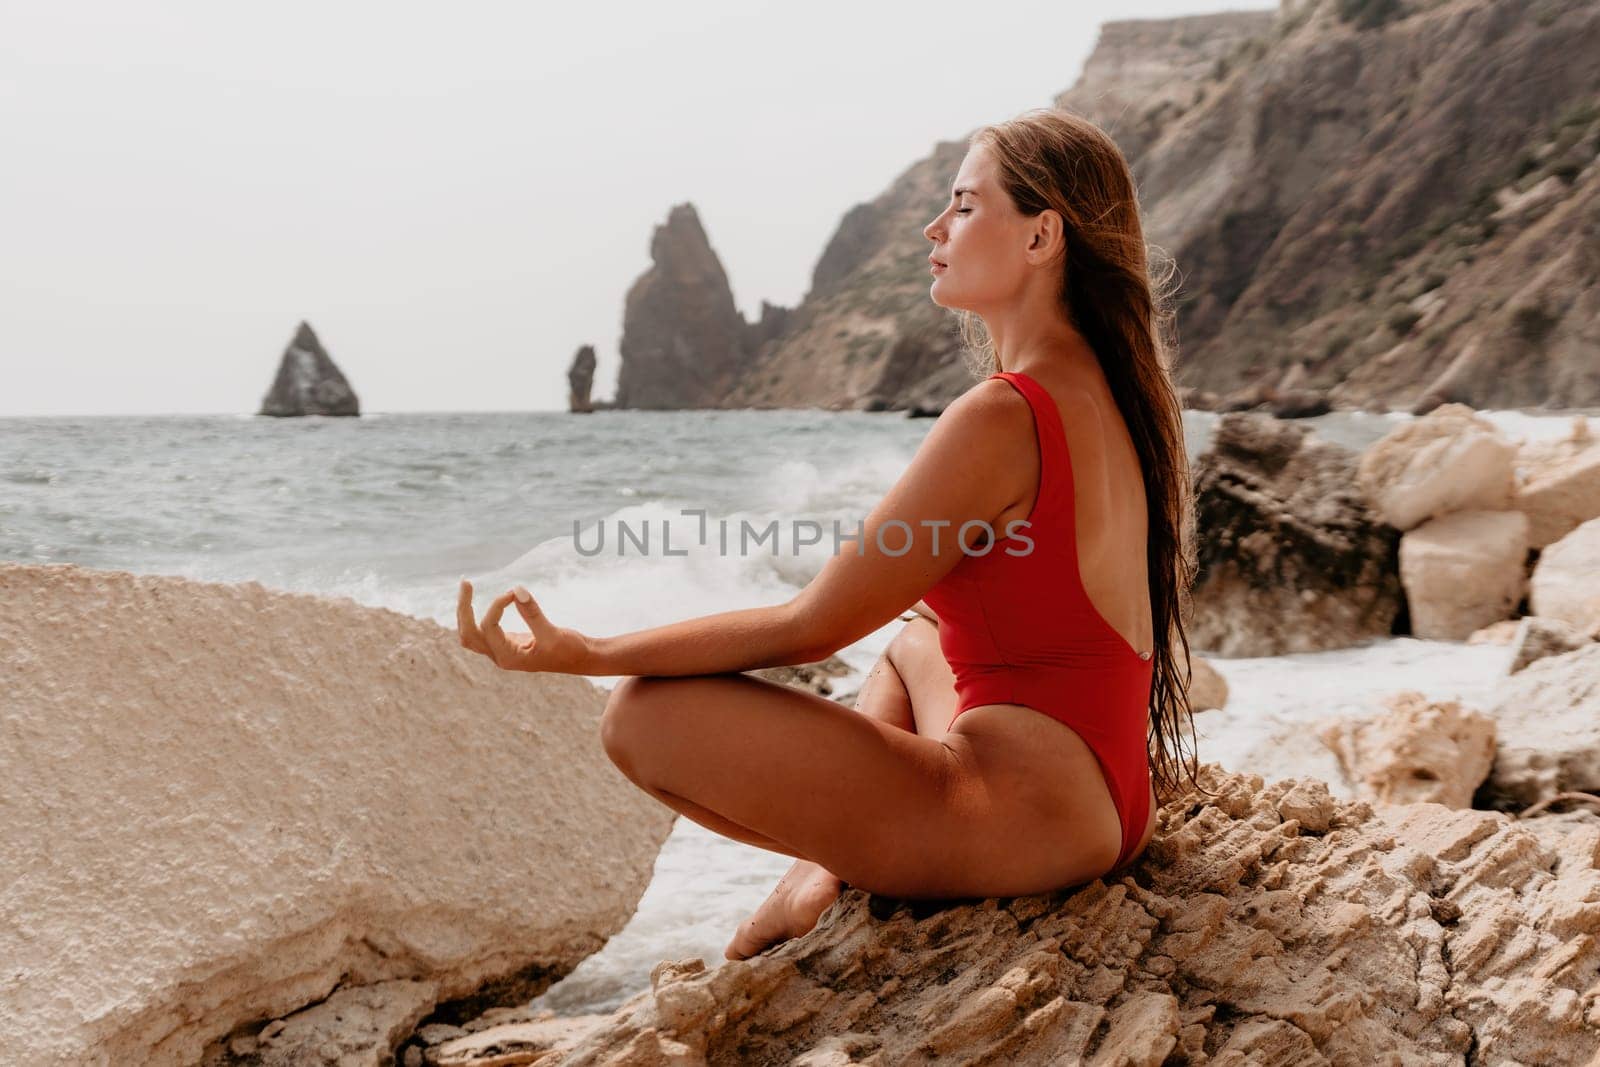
(1561, 498)
(1463, 571)
(1451, 459)
(1559, 483)
(225, 804)
(1290, 557)
(1496, 633)
(1263, 924)
(308, 382)
(1547, 720)
(1419, 751)
(1538, 637)
(1208, 690)
(1566, 580)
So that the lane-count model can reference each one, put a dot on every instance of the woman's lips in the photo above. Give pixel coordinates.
(937, 266)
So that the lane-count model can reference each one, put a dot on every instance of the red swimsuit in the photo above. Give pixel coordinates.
(1017, 627)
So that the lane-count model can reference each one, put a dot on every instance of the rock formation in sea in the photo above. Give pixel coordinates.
(1265, 923)
(1341, 240)
(265, 828)
(580, 379)
(684, 342)
(1291, 557)
(308, 383)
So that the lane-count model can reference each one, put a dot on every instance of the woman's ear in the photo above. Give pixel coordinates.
(1048, 238)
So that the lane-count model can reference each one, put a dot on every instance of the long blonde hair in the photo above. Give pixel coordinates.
(1052, 158)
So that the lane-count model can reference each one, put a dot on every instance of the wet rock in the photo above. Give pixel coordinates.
(1291, 557)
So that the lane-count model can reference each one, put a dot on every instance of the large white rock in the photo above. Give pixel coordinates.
(1451, 459)
(1566, 580)
(222, 804)
(1547, 724)
(1559, 483)
(1463, 571)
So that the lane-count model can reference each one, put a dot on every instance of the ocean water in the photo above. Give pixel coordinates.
(391, 510)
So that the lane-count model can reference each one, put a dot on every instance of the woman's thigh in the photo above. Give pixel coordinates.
(885, 809)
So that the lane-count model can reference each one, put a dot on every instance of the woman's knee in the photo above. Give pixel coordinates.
(619, 721)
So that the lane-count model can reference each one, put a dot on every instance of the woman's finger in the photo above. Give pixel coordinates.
(529, 609)
(466, 627)
(499, 647)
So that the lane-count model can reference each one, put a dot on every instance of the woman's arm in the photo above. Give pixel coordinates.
(743, 640)
(951, 479)
(921, 608)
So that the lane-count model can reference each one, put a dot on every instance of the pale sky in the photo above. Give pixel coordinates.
(455, 196)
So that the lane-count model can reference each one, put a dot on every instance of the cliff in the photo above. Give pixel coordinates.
(1390, 205)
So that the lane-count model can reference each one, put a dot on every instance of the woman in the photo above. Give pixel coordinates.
(1003, 743)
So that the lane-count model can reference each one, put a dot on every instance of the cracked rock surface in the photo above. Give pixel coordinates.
(1271, 924)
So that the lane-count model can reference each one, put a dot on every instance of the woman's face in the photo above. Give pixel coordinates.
(981, 239)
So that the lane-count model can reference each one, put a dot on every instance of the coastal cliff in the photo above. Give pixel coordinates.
(1389, 206)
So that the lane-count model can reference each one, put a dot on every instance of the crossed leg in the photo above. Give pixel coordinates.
(885, 808)
(911, 669)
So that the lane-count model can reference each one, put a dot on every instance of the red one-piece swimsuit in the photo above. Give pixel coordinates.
(1017, 627)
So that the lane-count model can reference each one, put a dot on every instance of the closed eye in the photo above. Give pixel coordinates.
(962, 210)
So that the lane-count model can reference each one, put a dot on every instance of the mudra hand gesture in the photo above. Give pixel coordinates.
(548, 648)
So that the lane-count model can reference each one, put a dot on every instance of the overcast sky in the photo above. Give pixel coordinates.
(455, 196)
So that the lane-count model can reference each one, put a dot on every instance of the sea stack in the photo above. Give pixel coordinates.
(580, 379)
(308, 383)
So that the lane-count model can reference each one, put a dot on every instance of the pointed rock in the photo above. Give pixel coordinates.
(580, 379)
(682, 337)
(308, 383)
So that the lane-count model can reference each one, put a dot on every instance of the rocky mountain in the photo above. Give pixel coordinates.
(1393, 203)
(308, 382)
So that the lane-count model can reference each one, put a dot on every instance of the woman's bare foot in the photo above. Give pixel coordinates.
(792, 908)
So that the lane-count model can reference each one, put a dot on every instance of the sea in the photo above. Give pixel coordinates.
(392, 509)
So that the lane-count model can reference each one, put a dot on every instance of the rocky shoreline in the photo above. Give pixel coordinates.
(268, 828)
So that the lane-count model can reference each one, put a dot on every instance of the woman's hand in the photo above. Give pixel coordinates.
(548, 648)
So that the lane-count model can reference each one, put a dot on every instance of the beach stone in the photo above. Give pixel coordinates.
(1547, 721)
(1451, 459)
(1566, 580)
(1463, 571)
(1496, 633)
(1559, 486)
(1406, 933)
(1538, 637)
(1291, 559)
(1418, 751)
(225, 805)
(1208, 690)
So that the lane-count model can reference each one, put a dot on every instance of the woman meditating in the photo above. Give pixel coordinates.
(1038, 543)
